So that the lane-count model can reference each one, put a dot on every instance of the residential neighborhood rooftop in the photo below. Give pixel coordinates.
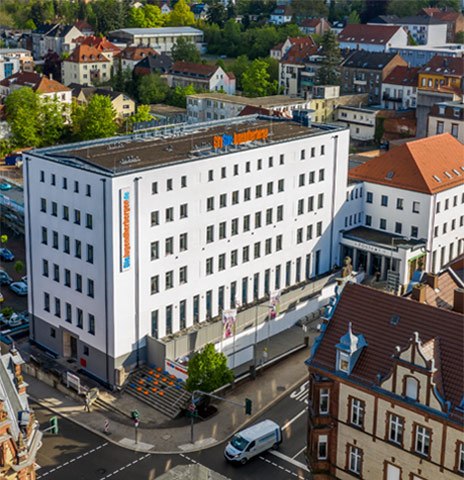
(368, 60)
(269, 101)
(403, 75)
(372, 34)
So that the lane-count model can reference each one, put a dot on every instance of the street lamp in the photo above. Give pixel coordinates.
(257, 306)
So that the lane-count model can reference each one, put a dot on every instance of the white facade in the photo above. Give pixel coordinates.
(396, 97)
(397, 40)
(85, 73)
(361, 122)
(431, 35)
(243, 244)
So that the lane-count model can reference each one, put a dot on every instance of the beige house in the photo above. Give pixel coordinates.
(123, 105)
(447, 117)
(86, 65)
(386, 390)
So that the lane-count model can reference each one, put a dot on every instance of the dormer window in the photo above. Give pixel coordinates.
(344, 362)
(412, 388)
(348, 351)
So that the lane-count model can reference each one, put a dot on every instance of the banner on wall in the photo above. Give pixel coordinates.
(124, 218)
(229, 317)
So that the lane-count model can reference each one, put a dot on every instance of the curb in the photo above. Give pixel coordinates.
(178, 452)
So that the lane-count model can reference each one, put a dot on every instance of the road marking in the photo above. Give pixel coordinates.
(72, 460)
(297, 475)
(187, 458)
(296, 417)
(301, 393)
(120, 469)
(301, 451)
(289, 460)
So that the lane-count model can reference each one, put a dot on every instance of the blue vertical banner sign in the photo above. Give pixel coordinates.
(125, 216)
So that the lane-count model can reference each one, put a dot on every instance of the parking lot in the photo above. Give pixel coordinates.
(17, 246)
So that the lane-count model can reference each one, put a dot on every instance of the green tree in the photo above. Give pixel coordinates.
(137, 18)
(5, 147)
(153, 16)
(142, 115)
(52, 116)
(3, 239)
(152, 89)
(329, 72)
(313, 8)
(184, 50)
(353, 18)
(178, 96)
(19, 266)
(256, 80)
(404, 9)
(239, 67)
(272, 68)
(208, 370)
(217, 13)
(459, 38)
(30, 25)
(97, 119)
(181, 15)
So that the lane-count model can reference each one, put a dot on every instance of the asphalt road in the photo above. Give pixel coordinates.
(77, 454)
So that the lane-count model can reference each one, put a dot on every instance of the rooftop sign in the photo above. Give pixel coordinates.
(221, 141)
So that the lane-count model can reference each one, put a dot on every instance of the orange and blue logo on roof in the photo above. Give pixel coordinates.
(221, 141)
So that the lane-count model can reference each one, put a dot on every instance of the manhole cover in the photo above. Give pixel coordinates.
(101, 471)
(166, 437)
(280, 388)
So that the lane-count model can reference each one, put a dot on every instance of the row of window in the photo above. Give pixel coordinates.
(355, 193)
(444, 227)
(55, 243)
(227, 296)
(69, 316)
(446, 204)
(64, 183)
(398, 226)
(168, 246)
(66, 276)
(77, 217)
(451, 254)
(384, 201)
(353, 219)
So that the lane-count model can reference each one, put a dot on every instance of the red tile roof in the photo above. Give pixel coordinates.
(429, 165)
(300, 51)
(447, 66)
(356, 305)
(371, 34)
(197, 69)
(137, 53)
(402, 75)
(37, 82)
(310, 22)
(86, 54)
(100, 43)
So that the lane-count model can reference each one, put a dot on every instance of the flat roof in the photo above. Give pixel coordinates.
(173, 144)
(269, 101)
(153, 32)
(383, 239)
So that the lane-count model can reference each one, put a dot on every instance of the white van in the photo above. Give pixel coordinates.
(253, 441)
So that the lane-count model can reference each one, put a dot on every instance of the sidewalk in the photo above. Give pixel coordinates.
(269, 387)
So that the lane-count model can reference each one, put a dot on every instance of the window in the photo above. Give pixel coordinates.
(309, 232)
(247, 167)
(80, 318)
(259, 191)
(154, 323)
(368, 220)
(55, 240)
(280, 213)
(411, 388)
(416, 207)
(246, 223)
(299, 235)
(77, 217)
(300, 207)
(154, 284)
(169, 245)
(322, 149)
(222, 260)
(43, 205)
(91, 324)
(258, 220)
(89, 253)
(344, 362)
(270, 188)
(437, 208)
(281, 159)
(90, 288)
(234, 226)
(183, 242)
(183, 275)
(222, 230)
(268, 247)
(154, 188)
(318, 229)
(320, 200)
(322, 443)
(209, 266)
(260, 164)
(395, 429)
(57, 307)
(209, 204)
(42, 176)
(235, 170)
(301, 180)
(398, 227)
(233, 258)
(44, 236)
(183, 211)
(46, 302)
(235, 197)
(357, 412)
(247, 194)
(223, 172)
(154, 250)
(460, 457)
(312, 177)
(88, 191)
(310, 204)
(414, 232)
(257, 249)
(45, 268)
(278, 243)
(169, 279)
(154, 218)
(383, 224)
(354, 459)
(302, 154)
(67, 278)
(66, 244)
(68, 313)
(321, 175)
(270, 161)
(369, 197)
(183, 181)
(56, 272)
(384, 201)
(169, 184)
(313, 152)
(399, 203)
(422, 444)
(281, 185)
(53, 179)
(169, 214)
(324, 401)
(210, 234)
(223, 200)
(54, 209)
(269, 216)
(210, 175)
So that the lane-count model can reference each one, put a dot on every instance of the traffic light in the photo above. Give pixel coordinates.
(54, 425)
(135, 415)
(248, 405)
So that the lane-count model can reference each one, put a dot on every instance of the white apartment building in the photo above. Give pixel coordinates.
(408, 209)
(148, 235)
(361, 121)
(399, 89)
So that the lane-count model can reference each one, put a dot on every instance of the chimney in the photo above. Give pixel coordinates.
(50, 76)
(432, 280)
(418, 292)
(458, 303)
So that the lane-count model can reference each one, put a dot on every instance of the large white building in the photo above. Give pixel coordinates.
(405, 209)
(147, 235)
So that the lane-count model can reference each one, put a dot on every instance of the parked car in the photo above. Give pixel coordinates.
(5, 186)
(20, 288)
(5, 279)
(6, 255)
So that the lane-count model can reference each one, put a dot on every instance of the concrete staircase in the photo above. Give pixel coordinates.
(160, 390)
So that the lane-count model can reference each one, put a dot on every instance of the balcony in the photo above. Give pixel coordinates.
(359, 81)
(390, 98)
